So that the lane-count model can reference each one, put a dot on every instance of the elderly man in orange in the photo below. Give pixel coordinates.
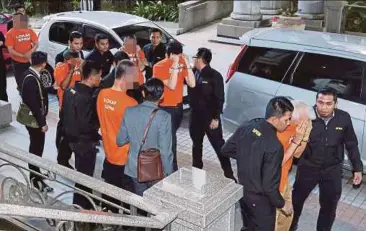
(294, 140)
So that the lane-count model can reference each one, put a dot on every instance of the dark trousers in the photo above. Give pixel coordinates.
(3, 94)
(258, 213)
(36, 146)
(19, 69)
(115, 175)
(199, 126)
(64, 152)
(176, 114)
(85, 158)
(330, 187)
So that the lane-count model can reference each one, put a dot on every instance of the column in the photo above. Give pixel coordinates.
(246, 16)
(334, 15)
(6, 114)
(271, 8)
(313, 14)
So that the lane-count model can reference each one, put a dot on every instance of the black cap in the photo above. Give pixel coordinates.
(70, 54)
(38, 58)
(120, 55)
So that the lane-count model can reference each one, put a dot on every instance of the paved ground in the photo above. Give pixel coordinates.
(351, 214)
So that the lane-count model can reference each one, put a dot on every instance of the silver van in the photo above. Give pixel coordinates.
(296, 64)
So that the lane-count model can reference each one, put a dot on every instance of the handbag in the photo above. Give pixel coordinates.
(149, 165)
(24, 114)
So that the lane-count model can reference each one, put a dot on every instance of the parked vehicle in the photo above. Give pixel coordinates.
(53, 37)
(4, 20)
(296, 64)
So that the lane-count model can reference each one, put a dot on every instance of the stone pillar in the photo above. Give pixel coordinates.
(334, 15)
(246, 15)
(205, 201)
(6, 114)
(313, 14)
(271, 8)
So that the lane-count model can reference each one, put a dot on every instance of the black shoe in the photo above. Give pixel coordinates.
(41, 185)
(233, 178)
(67, 165)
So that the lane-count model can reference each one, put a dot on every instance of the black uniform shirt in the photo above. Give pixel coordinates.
(105, 60)
(259, 156)
(79, 113)
(153, 56)
(32, 97)
(208, 94)
(328, 140)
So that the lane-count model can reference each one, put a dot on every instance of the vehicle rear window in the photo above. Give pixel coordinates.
(317, 71)
(268, 63)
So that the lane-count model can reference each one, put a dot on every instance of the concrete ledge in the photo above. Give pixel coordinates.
(193, 14)
(5, 114)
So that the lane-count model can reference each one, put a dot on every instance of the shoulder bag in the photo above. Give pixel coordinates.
(24, 114)
(149, 165)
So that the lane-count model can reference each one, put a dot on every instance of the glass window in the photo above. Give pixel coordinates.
(60, 31)
(318, 71)
(266, 63)
(89, 36)
(142, 32)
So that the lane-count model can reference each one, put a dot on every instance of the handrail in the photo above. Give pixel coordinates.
(160, 217)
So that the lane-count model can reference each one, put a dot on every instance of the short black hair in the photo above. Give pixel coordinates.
(154, 89)
(174, 48)
(154, 30)
(278, 106)
(18, 6)
(100, 36)
(75, 35)
(90, 68)
(120, 55)
(122, 68)
(205, 54)
(328, 91)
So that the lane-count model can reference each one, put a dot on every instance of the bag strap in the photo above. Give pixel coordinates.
(39, 88)
(146, 131)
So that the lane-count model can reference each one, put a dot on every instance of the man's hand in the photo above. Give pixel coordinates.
(138, 48)
(175, 60)
(45, 129)
(1, 43)
(214, 124)
(287, 210)
(357, 178)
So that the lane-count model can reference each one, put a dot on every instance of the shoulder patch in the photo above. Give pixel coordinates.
(256, 132)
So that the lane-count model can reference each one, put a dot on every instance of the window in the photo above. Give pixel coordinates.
(89, 36)
(142, 32)
(60, 31)
(318, 71)
(266, 63)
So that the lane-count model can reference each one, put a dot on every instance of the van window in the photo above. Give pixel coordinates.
(317, 71)
(60, 31)
(89, 36)
(266, 63)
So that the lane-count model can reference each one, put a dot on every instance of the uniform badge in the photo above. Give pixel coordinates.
(339, 129)
(256, 132)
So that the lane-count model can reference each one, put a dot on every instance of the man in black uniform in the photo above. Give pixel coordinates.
(81, 124)
(154, 51)
(321, 162)
(101, 54)
(206, 102)
(75, 45)
(259, 155)
(34, 95)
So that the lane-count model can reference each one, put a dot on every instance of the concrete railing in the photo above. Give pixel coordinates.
(193, 14)
(20, 199)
